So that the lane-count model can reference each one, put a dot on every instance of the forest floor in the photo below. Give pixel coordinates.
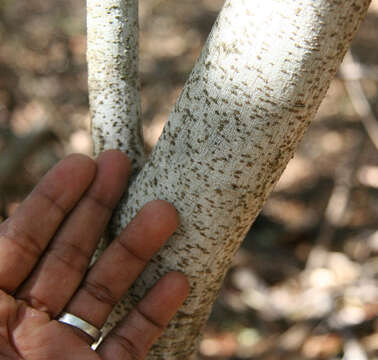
(304, 284)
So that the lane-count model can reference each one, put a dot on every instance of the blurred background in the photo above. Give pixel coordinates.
(304, 284)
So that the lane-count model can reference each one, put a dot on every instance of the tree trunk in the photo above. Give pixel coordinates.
(113, 77)
(253, 92)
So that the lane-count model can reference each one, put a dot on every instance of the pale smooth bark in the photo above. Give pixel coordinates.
(113, 77)
(253, 92)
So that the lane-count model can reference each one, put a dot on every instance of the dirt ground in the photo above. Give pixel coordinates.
(304, 284)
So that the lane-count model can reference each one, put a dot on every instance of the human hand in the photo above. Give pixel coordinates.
(45, 249)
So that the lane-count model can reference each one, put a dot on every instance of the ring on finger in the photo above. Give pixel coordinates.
(84, 326)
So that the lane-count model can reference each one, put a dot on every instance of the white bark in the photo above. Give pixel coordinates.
(113, 77)
(253, 92)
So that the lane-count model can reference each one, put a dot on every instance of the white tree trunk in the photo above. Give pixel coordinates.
(253, 92)
(113, 77)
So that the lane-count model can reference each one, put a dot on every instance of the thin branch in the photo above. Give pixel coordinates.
(351, 72)
(336, 208)
(113, 77)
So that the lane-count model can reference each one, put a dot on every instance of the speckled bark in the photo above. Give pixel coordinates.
(113, 77)
(253, 92)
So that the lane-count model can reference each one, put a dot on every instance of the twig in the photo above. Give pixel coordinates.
(352, 72)
(336, 208)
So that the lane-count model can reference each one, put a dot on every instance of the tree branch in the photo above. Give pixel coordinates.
(253, 92)
(351, 72)
(113, 77)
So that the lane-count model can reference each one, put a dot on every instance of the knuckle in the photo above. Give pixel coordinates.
(100, 201)
(149, 320)
(128, 346)
(25, 242)
(124, 245)
(71, 255)
(100, 292)
(52, 201)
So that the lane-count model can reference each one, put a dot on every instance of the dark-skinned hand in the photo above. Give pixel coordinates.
(45, 250)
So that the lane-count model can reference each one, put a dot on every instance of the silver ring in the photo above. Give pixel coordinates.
(86, 327)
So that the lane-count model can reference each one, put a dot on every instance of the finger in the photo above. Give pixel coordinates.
(35, 336)
(133, 337)
(123, 261)
(66, 260)
(25, 235)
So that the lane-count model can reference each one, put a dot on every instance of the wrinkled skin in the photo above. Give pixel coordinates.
(45, 249)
